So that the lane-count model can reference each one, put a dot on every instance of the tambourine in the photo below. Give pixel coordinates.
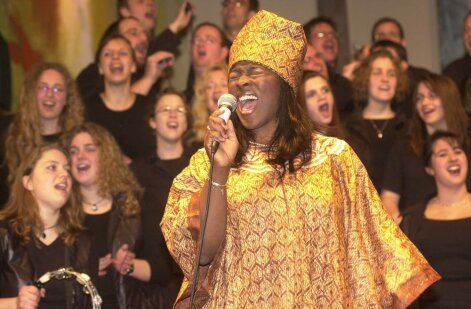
(68, 273)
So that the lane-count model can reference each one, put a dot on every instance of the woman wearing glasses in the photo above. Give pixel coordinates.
(117, 108)
(49, 107)
(155, 174)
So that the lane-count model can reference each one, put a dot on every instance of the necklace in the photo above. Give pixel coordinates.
(43, 234)
(462, 202)
(263, 146)
(379, 132)
(94, 205)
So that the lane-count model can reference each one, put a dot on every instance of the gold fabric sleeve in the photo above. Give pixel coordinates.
(319, 239)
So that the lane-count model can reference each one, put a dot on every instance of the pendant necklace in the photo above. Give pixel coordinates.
(379, 132)
(43, 234)
(94, 205)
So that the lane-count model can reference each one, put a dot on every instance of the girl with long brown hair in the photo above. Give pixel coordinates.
(108, 194)
(49, 107)
(41, 231)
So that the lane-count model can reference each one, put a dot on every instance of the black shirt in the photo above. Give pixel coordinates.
(459, 71)
(130, 127)
(46, 258)
(405, 175)
(156, 177)
(106, 286)
(364, 137)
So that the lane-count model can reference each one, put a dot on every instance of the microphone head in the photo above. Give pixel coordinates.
(228, 100)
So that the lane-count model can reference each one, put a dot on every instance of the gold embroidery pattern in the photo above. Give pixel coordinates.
(320, 239)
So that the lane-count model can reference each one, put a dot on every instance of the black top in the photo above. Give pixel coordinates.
(343, 93)
(459, 71)
(98, 226)
(405, 175)
(90, 81)
(130, 127)
(156, 176)
(373, 151)
(46, 258)
(448, 252)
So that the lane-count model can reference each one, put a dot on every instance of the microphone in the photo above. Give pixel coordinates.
(227, 103)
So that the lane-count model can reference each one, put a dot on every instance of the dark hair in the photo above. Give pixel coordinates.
(386, 20)
(335, 127)
(450, 137)
(224, 40)
(455, 115)
(122, 4)
(254, 5)
(111, 37)
(292, 137)
(385, 44)
(316, 21)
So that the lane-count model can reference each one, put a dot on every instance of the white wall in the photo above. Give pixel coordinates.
(418, 17)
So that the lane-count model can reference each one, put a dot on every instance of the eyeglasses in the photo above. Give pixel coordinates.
(321, 35)
(206, 40)
(167, 110)
(45, 89)
(237, 3)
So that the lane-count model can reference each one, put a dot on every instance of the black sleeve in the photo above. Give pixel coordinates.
(166, 40)
(393, 176)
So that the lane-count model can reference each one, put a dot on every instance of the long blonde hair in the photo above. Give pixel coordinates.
(22, 211)
(114, 176)
(199, 110)
(24, 133)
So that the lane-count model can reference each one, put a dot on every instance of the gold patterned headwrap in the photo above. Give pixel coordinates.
(274, 42)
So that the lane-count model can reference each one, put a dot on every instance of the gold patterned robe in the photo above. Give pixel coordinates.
(320, 239)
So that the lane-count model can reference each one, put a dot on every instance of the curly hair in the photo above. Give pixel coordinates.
(22, 211)
(114, 176)
(455, 116)
(199, 109)
(362, 74)
(292, 138)
(334, 128)
(24, 133)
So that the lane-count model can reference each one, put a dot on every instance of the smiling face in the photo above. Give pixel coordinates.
(132, 30)
(207, 49)
(257, 90)
(51, 95)
(319, 100)
(324, 40)
(84, 159)
(116, 62)
(429, 106)
(216, 85)
(448, 163)
(383, 80)
(170, 119)
(50, 181)
(144, 10)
